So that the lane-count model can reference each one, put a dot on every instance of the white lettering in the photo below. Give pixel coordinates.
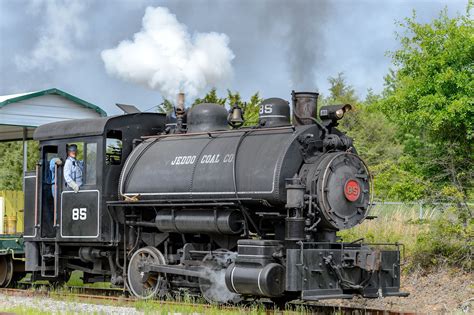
(184, 160)
(228, 158)
(266, 109)
(79, 214)
(210, 159)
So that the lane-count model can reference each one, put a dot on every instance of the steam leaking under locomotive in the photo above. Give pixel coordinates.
(230, 212)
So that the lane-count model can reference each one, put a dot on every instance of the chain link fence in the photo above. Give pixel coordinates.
(420, 209)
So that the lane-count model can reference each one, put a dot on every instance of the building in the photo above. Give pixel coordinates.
(20, 114)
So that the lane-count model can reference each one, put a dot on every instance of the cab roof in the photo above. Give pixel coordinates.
(93, 126)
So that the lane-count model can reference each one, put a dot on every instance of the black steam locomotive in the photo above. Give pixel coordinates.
(189, 202)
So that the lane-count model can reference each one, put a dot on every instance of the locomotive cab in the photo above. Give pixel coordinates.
(55, 215)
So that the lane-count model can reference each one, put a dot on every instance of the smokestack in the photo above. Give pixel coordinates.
(305, 107)
(180, 113)
(180, 102)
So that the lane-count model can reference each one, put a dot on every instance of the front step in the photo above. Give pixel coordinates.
(50, 262)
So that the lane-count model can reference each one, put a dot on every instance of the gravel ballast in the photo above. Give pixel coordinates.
(54, 306)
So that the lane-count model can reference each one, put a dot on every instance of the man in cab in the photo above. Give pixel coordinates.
(73, 169)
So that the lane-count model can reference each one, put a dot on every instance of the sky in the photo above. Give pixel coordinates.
(269, 46)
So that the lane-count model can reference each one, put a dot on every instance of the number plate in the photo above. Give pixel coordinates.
(80, 214)
(352, 190)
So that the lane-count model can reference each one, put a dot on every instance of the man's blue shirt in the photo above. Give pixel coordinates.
(73, 171)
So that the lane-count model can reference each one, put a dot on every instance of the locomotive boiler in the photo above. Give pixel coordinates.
(200, 202)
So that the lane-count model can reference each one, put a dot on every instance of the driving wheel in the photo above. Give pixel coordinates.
(142, 284)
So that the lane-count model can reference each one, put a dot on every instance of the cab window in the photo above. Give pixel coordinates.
(113, 150)
(87, 157)
(91, 162)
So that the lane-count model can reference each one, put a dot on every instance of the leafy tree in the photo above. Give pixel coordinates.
(166, 107)
(375, 140)
(429, 95)
(340, 91)
(251, 109)
(11, 163)
(210, 97)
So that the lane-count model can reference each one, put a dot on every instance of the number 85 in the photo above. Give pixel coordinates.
(79, 214)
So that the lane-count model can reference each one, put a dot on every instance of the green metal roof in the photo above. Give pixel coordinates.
(21, 97)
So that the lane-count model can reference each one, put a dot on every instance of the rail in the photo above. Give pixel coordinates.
(98, 295)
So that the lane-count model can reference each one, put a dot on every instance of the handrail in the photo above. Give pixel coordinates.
(55, 197)
(36, 196)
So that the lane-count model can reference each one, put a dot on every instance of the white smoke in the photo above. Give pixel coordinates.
(61, 30)
(216, 290)
(163, 56)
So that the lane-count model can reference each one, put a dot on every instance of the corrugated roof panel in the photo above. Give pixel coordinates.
(33, 109)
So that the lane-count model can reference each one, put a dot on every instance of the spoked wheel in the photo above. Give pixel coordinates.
(213, 287)
(145, 285)
(6, 271)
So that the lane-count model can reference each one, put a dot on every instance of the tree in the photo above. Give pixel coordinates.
(166, 107)
(11, 163)
(340, 91)
(375, 140)
(251, 109)
(429, 95)
(210, 97)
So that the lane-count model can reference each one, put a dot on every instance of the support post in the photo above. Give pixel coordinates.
(25, 156)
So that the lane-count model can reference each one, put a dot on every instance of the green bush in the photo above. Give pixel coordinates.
(449, 240)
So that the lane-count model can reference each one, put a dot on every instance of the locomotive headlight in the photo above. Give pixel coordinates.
(334, 112)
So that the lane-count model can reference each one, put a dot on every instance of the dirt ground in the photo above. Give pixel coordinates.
(436, 292)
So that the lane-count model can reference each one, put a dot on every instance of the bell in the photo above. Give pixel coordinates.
(236, 118)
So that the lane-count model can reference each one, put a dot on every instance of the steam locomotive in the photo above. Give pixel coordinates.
(201, 202)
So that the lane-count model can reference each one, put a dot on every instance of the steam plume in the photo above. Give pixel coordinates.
(163, 56)
(301, 24)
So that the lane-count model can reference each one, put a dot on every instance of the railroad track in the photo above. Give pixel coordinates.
(100, 295)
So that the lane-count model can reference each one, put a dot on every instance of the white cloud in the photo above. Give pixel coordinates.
(62, 29)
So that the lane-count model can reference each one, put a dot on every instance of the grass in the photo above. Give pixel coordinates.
(394, 224)
(76, 281)
(182, 305)
(24, 310)
(426, 244)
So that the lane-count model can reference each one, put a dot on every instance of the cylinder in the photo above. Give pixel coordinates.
(305, 107)
(294, 229)
(268, 280)
(200, 221)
